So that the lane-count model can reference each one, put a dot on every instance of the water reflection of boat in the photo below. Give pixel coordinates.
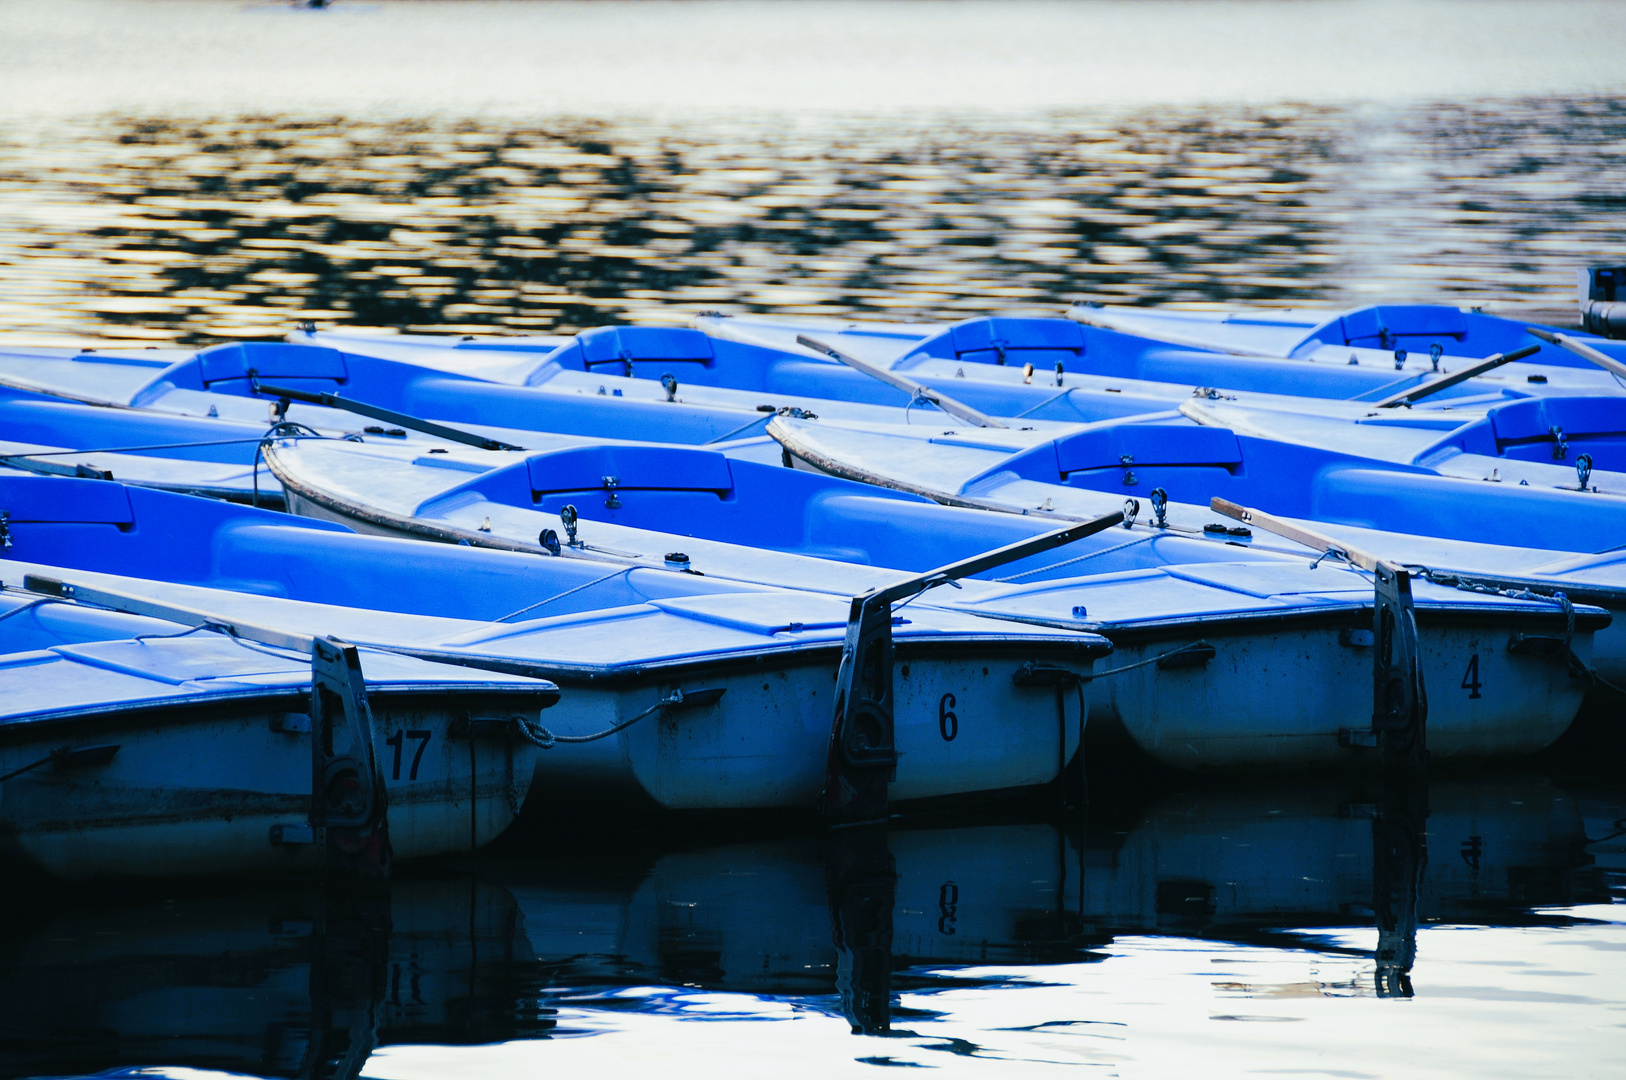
(757, 917)
(297, 982)
(289, 982)
(1226, 863)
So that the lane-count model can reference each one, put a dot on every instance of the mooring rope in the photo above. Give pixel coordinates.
(1149, 660)
(539, 736)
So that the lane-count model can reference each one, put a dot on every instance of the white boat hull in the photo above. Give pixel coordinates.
(197, 790)
(1250, 707)
(765, 743)
(961, 727)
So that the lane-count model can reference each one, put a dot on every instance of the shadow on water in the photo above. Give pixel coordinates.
(307, 980)
(184, 230)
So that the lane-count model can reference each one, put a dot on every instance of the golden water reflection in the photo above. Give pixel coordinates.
(188, 230)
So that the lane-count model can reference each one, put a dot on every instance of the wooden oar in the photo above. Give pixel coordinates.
(907, 385)
(1578, 591)
(1418, 393)
(1296, 533)
(1581, 349)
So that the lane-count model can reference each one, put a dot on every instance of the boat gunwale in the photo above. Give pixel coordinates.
(1357, 615)
(451, 535)
(1428, 611)
(1601, 595)
(247, 700)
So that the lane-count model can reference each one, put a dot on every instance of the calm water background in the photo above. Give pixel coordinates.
(185, 170)
(191, 170)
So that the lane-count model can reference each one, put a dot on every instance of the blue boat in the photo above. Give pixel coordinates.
(53, 436)
(668, 384)
(348, 393)
(1563, 443)
(1542, 538)
(1027, 368)
(1024, 354)
(1195, 623)
(1333, 335)
(683, 690)
(131, 747)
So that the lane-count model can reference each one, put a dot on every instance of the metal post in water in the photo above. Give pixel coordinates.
(863, 759)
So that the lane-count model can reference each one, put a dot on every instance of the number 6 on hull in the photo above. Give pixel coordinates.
(863, 758)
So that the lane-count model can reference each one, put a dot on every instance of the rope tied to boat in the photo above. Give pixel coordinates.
(1076, 559)
(917, 398)
(1143, 663)
(281, 429)
(539, 736)
(188, 632)
(567, 592)
(1578, 668)
(1335, 553)
(29, 606)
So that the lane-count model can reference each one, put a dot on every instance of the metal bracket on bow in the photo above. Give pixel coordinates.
(1399, 703)
(348, 800)
(863, 757)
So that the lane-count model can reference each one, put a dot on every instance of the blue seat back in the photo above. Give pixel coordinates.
(226, 369)
(615, 349)
(1395, 326)
(996, 340)
(655, 468)
(1147, 444)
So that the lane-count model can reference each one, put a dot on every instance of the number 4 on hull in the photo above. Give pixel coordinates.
(1399, 703)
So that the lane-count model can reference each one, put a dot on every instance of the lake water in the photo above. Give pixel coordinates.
(181, 170)
(1312, 931)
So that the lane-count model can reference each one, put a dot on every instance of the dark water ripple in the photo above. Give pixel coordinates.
(1096, 937)
(186, 230)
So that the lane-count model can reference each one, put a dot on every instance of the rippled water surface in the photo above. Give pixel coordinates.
(176, 170)
(169, 229)
(1476, 929)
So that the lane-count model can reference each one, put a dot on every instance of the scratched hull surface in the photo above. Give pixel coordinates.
(1485, 703)
(159, 755)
